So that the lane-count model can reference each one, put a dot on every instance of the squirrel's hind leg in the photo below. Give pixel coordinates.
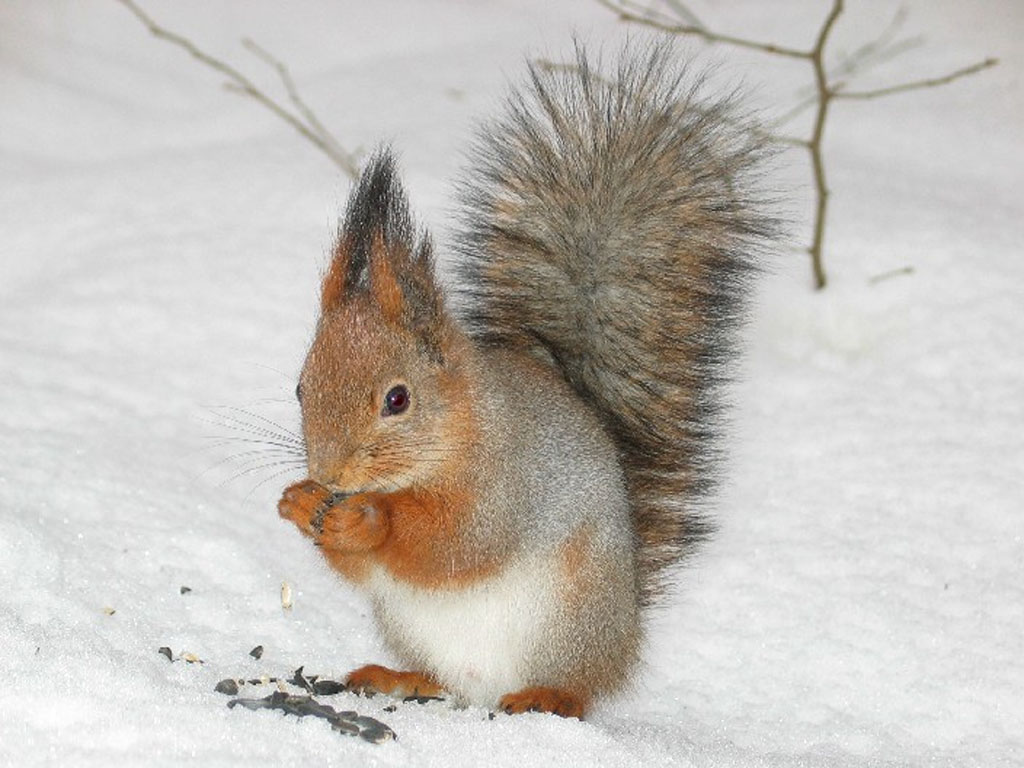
(541, 699)
(374, 678)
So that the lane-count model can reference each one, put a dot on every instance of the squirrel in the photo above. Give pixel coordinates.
(510, 473)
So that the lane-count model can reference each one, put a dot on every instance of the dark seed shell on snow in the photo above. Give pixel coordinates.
(256, 652)
(301, 680)
(351, 723)
(328, 687)
(166, 652)
(421, 699)
(227, 686)
(345, 726)
(377, 735)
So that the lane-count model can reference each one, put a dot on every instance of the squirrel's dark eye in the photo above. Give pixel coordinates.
(298, 392)
(396, 400)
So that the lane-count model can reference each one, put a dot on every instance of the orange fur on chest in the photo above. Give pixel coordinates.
(423, 546)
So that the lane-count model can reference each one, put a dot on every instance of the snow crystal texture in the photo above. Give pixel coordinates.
(162, 238)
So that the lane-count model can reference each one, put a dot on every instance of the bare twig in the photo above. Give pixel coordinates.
(684, 13)
(351, 158)
(874, 52)
(915, 85)
(814, 145)
(827, 86)
(312, 129)
(883, 48)
(805, 103)
(552, 67)
(876, 279)
(691, 29)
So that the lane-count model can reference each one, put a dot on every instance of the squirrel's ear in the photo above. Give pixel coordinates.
(379, 255)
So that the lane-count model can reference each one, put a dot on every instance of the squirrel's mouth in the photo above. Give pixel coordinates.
(343, 487)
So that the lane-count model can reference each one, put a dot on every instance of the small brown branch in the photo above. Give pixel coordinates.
(780, 138)
(915, 85)
(876, 279)
(699, 31)
(684, 12)
(883, 48)
(349, 161)
(825, 94)
(552, 67)
(314, 132)
(797, 109)
(827, 86)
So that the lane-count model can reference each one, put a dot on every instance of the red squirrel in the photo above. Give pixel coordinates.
(510, 476)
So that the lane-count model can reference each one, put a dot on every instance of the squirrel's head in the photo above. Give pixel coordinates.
(382, 388)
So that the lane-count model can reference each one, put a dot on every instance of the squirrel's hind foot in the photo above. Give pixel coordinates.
(540, 699)
(374, 678)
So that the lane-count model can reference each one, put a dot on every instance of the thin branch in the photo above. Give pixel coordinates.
(883, 48)
(650, 12)
(915, 85)
(553, 67)
(684, 12)
(828, 85)
(814, 145)
(711, 37)
(797, 109)
(240, 83)
(351, 158)
(876, 279)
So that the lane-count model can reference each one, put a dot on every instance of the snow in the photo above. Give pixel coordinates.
(863, 602)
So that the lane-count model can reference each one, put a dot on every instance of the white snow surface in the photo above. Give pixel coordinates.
(161, 240)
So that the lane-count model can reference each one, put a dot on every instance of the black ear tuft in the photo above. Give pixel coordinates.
(380, 257)
(377, 208)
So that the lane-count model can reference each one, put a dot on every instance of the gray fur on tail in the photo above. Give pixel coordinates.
(609, 226)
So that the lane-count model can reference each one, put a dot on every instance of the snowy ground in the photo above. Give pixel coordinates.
(161, 241)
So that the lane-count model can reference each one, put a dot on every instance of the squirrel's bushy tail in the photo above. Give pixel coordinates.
(609, 225)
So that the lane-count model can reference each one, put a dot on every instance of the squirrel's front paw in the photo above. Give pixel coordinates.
(353, 524)
(305, 503)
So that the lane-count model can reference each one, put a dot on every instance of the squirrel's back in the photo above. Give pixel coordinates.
(609, 228)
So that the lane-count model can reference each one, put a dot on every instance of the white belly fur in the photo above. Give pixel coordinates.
(476, 640)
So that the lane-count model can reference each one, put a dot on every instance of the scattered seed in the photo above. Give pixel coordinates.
(345, 726)
(227, 686)
(185, 590)
(166, 652)
(109, 611)
(390, 708)
(377, 734)
(365, 721)
(349, 723)
(286, 596)
(256, 652)
(328, 687)
(191, 658)
(301, 680)
(421, 699)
